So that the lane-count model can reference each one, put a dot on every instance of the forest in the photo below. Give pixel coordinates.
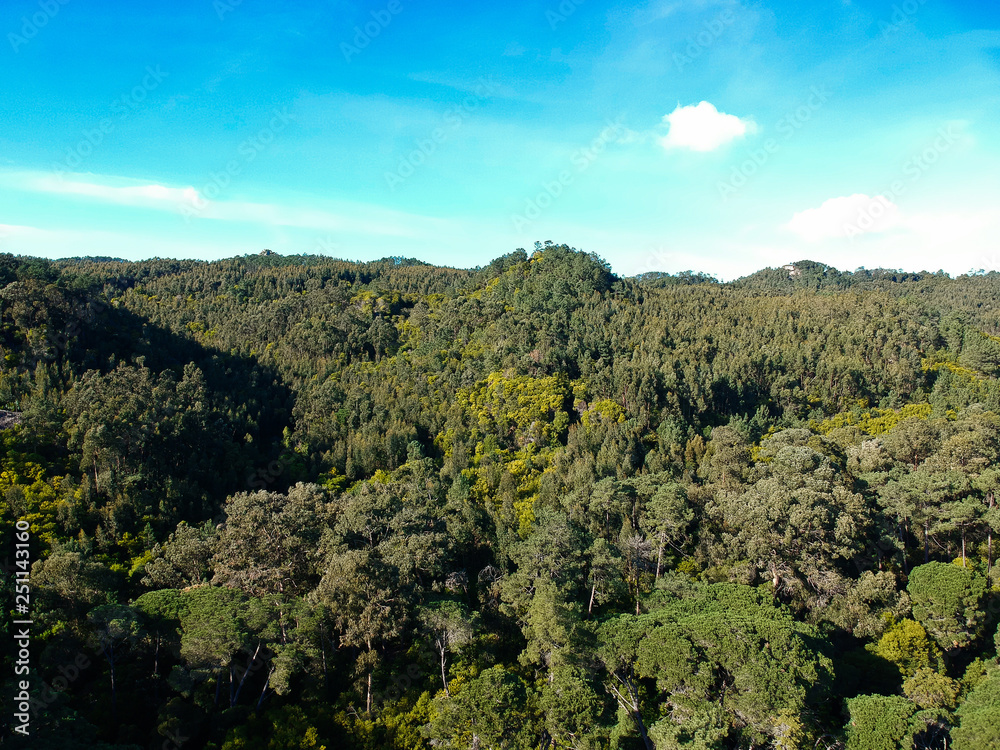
(299, 502)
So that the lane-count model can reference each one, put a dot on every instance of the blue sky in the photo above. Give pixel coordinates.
(718, 136)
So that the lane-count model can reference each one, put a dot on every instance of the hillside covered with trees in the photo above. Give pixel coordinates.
(297, 502)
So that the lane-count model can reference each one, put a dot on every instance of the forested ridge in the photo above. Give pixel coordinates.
(298, 502)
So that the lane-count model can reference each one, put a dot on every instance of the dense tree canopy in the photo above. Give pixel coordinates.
(302, 502)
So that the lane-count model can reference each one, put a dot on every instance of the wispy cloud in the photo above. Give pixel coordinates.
(847, 216)
(110, 190)
(186, 201)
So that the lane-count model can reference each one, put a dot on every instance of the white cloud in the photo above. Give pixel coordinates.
(955, 226)
(848, 217)
(114, 190)
(956, 239)
(880, 234)
(701, 127)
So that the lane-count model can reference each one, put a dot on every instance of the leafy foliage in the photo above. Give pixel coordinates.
(302, 502)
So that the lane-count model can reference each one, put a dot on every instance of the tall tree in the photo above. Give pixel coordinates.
(116, 628)
(270, 543)
(946, 600)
